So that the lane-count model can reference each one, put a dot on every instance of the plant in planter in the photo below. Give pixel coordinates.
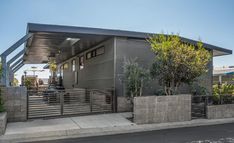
(177, 62)
(223, 94)
(53, 69)
(28, 82)
(135, 77)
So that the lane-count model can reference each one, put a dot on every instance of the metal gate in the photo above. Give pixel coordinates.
(47, 103)
(199, 104)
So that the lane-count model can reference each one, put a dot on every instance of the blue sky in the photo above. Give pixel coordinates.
(210, 20)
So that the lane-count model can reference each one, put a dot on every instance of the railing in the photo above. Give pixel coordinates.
(200, 102)
(68, 102)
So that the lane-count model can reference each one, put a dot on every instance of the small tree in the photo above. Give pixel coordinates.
(177, 62)
(135, 78)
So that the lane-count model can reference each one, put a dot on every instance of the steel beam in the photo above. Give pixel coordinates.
(18, 67)
(15, 57)
(5, 73)
(17, 63)
(16, 45)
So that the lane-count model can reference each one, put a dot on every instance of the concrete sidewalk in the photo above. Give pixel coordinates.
(84, 126)
(70, 123)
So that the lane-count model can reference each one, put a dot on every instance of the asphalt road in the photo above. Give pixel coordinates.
(204, 134)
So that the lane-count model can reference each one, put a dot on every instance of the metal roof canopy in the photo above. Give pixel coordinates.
(51, 40)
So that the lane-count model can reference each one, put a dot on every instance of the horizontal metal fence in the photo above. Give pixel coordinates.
(68, 102)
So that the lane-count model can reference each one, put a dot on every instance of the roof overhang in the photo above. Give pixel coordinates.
(56, 41)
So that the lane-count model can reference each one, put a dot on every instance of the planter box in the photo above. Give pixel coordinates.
(162, 109)
(220, 111)
(3, 122)
(15, 103)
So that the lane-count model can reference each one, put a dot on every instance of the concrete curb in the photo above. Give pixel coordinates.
(77, 133)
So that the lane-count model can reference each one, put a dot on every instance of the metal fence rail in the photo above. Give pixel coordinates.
(200, 102)
(68, 102)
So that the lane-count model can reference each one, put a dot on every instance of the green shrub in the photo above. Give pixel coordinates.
(223, 94)
(197, 89)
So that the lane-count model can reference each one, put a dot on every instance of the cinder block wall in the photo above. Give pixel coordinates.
(15, 102)
(162, 109)
(220, 111)
(3, 123)
(124, 104)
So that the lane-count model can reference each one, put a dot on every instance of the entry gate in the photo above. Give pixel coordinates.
(47, 103)
(199, 104)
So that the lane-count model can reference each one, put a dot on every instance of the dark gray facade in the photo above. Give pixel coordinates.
(98, 72)
(106, 71)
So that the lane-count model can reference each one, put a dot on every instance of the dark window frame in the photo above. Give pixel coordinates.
(93, 53)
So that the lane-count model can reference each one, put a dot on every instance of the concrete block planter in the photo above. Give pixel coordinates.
(162, 109)
(220, 111)
(3, 122)
(15, 103)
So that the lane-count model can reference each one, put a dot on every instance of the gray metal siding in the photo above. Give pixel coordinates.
(98, 72)
(140, 49)
(131, 49)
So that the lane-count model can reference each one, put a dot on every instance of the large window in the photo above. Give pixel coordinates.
(95, 52)
(81, 62)
(73, 65)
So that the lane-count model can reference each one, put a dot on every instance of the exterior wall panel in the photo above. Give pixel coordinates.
(98, 71)
(140, 50)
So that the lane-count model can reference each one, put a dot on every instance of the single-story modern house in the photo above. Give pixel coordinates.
(92, 57)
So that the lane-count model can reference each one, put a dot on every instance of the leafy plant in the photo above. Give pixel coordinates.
(159, 92)
(197, 89)
(28, 82)
(223, 94)
(53, 69)
(135, 78)
(177, 62)
(53, 66)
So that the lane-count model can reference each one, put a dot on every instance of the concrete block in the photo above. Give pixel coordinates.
(161, 109)
(124, 105)
(220, 111)
(3, 122)
(15, 102)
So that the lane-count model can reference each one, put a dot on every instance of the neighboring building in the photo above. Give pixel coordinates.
(223, 75)
(93, 58)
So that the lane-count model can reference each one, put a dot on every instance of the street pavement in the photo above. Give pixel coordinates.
(223, 133)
